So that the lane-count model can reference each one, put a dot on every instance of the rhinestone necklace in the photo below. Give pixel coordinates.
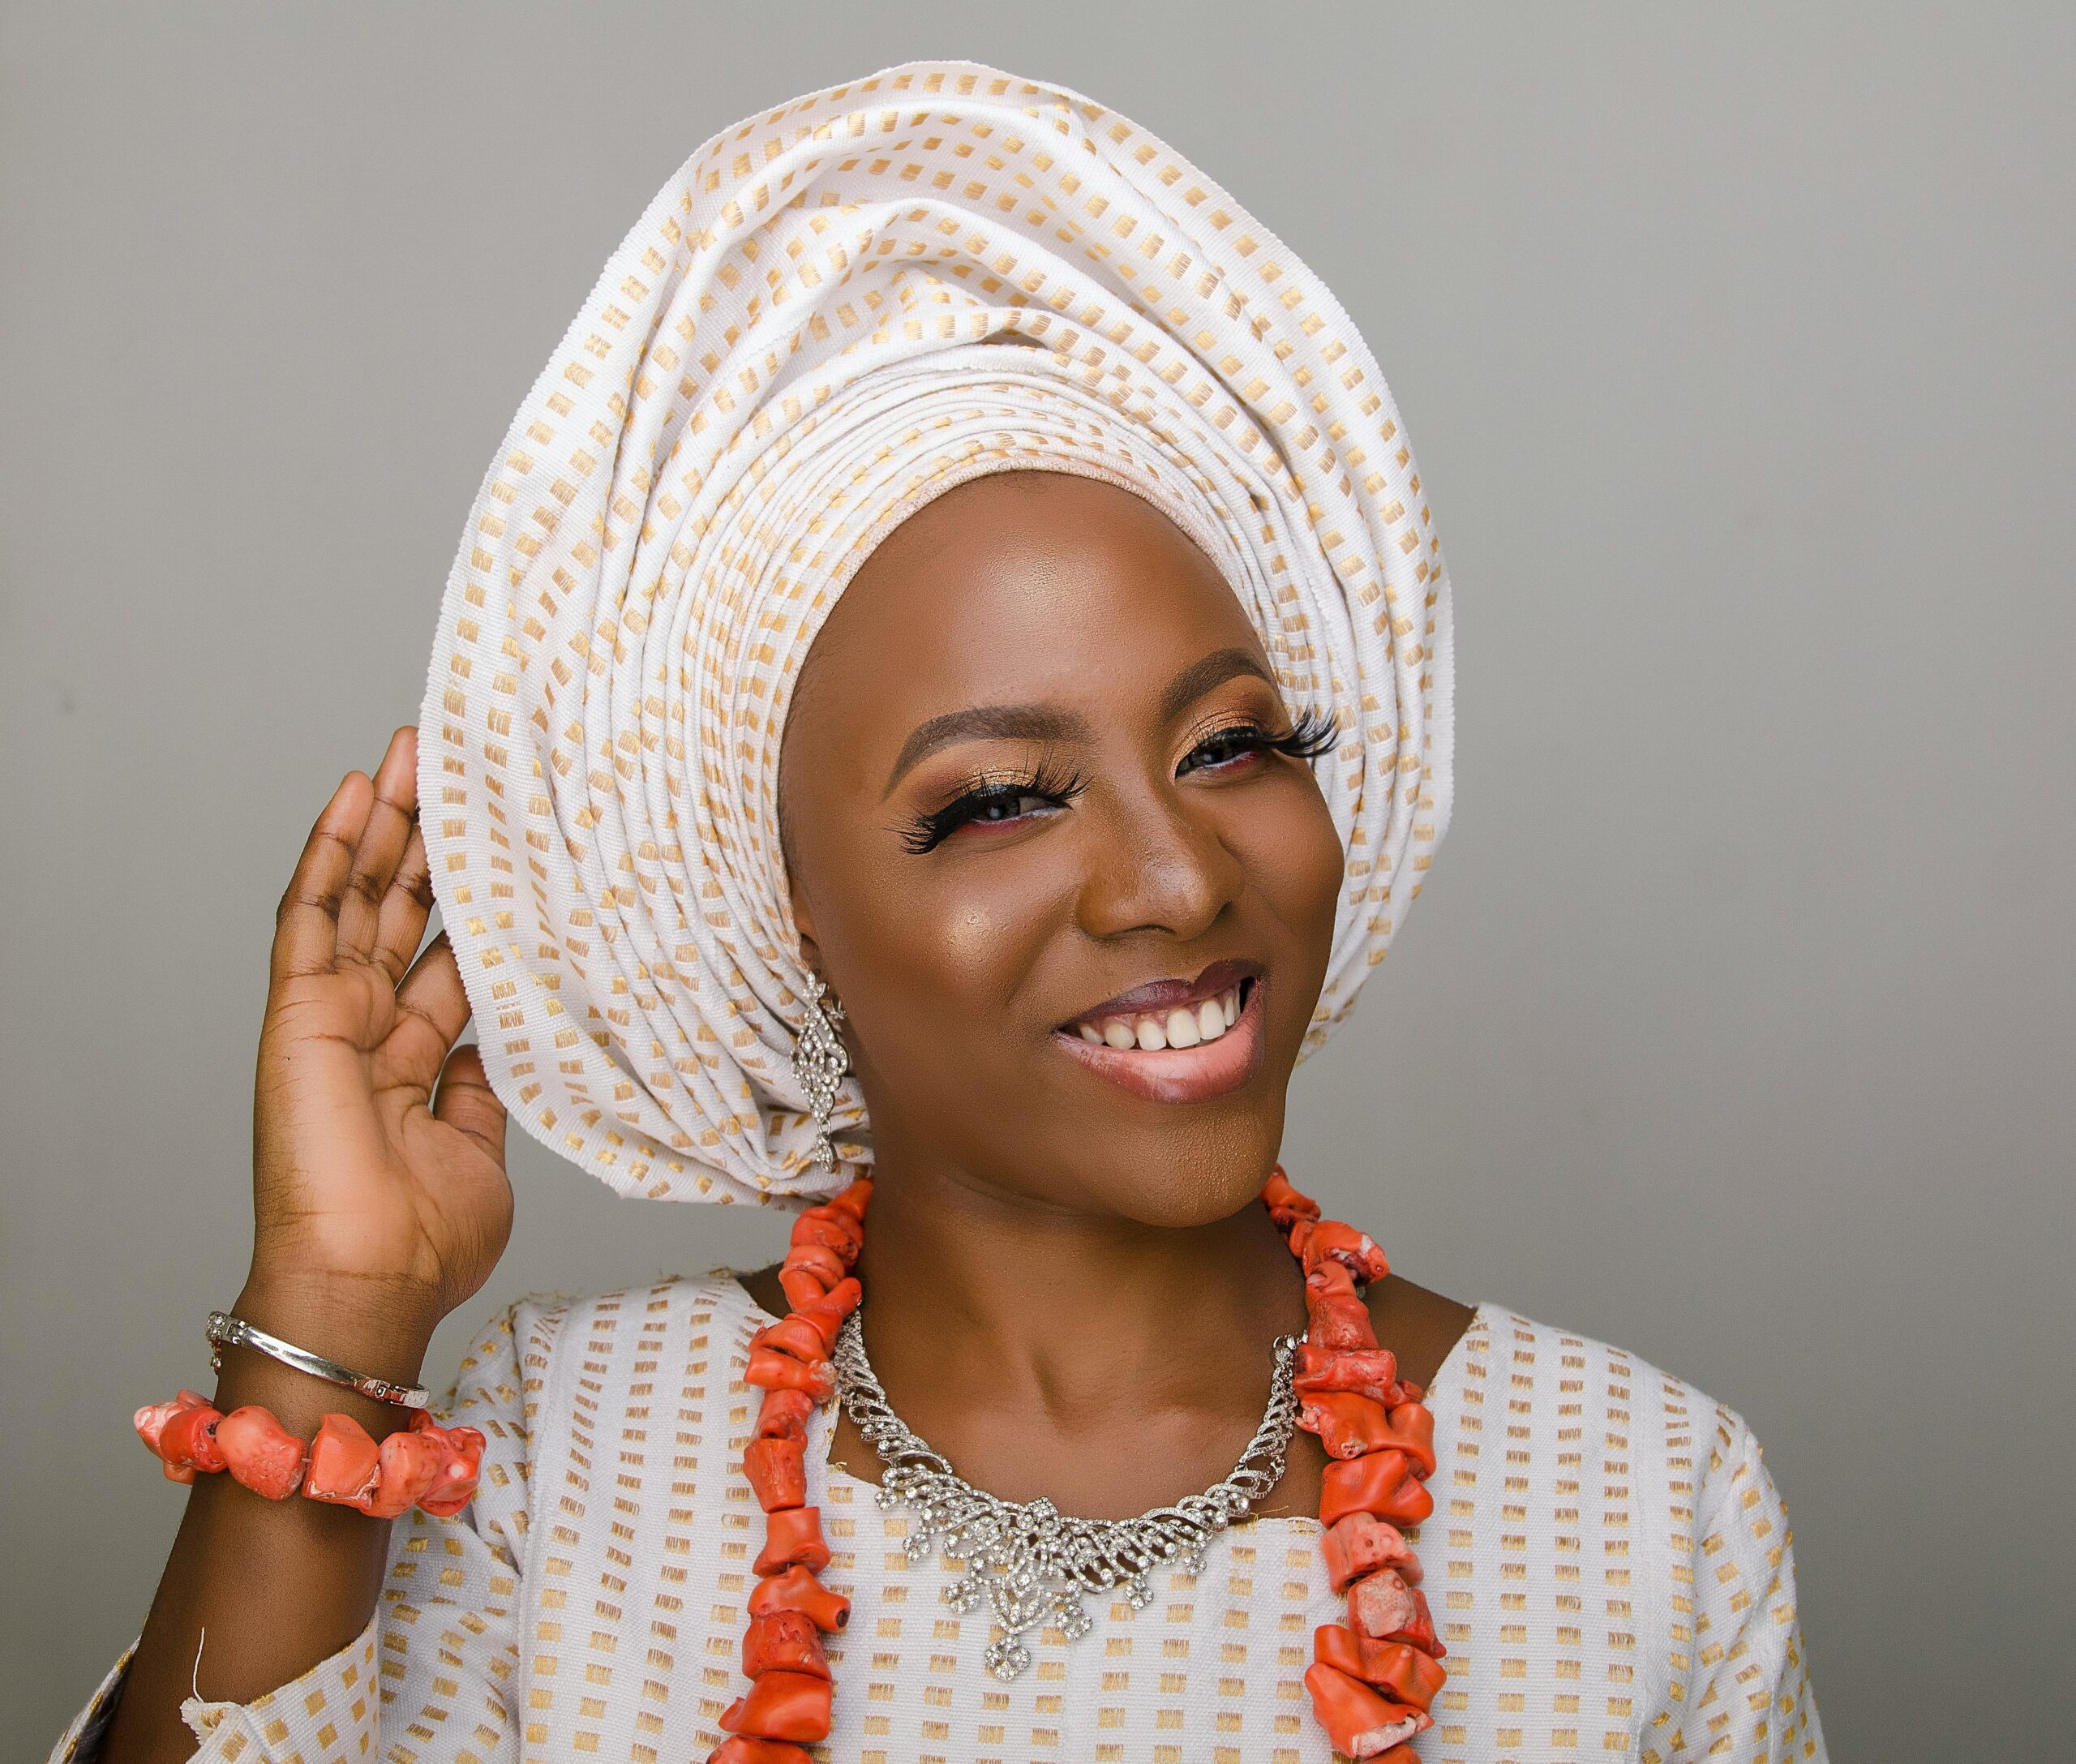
(1028, 1560)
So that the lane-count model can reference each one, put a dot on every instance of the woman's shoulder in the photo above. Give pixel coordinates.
(557, 1318)
(534, 1340)
(1578, 1408)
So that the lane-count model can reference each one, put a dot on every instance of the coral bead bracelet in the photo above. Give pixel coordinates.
(425, 1465)
(1372, 1679)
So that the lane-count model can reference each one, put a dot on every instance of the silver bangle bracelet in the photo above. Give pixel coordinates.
(226, 1331)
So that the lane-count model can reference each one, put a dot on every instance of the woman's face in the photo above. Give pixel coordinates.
(1043, 847)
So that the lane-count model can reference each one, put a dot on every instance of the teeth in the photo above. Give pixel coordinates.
(1185, 1026)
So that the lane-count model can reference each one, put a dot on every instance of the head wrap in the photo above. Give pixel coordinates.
(798, 345)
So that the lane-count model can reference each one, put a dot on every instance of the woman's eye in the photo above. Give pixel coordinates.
(1000, 805)
(1007, 806)
(1223, 749)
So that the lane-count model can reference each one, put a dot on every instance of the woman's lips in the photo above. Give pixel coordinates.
(1162, 996)
(1153, 1066)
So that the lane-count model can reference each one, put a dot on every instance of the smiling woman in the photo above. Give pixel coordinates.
(1044, 778)
(943, 788)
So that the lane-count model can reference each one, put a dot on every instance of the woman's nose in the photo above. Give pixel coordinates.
(1153, 866)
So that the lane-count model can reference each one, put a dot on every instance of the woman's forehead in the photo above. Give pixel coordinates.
(1017, 585)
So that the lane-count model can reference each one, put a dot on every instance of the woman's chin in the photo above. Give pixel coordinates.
(1181, 1182)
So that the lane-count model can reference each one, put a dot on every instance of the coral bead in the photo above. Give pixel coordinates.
(798, 1589)
(1339, 1321)
(410, 1465)
(1330, 1240)
(1366, 1372)
(1347, 1425)
(190, 1438)
(783, 1642)
(1383, 1606)
(1359, 1722)
(854, 1199)
(831, 1229)
(1360, 1545)
(1382, 1482)
(815, 1259)
(774, 1371)
(828, 1312)
(1413, 1432)
(782, 1706)
(1399, 1669)
(803, 1287)
(345, 1464)
(459, 1466)
(1280, 1197)
(260, 1452)
(796, 1335)
(784, 1414)
(182, 1434)
(777, 1472)
(792, 1539)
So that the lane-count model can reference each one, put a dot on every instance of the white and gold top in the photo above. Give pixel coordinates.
(1608, 1562)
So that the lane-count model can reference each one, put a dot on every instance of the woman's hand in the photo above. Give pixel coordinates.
(378, 1179)
(378, 1185)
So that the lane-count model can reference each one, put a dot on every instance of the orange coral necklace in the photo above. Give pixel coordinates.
(1372, 1679)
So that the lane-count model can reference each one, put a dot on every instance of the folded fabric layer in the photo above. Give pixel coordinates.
(799, 344)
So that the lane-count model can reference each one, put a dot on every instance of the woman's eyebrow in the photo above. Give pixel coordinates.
(1048, 723)
(997, 721)
(1199, 677)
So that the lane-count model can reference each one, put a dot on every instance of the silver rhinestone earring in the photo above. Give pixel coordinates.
(820, 1063)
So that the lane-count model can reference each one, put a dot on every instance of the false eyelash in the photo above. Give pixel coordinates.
(1049, 780)
(1311, 733)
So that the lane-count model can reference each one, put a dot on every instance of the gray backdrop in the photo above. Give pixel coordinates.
(1739, 1024)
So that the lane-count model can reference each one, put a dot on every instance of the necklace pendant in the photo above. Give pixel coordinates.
(1028, 1563)
(1075, 1620)
(1019, 1602)
(1007, 1659)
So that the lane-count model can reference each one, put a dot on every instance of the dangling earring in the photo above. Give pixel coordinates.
(820, 1063)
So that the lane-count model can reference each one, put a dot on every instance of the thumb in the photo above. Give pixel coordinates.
(465, 1101)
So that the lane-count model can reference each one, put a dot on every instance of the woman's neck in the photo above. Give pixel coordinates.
(1108, 1364)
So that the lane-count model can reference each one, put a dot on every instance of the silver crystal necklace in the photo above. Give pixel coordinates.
(1028, 1560)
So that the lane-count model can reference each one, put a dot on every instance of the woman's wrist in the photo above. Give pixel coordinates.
(372, 1325)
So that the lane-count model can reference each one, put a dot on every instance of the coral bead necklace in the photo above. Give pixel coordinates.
(1373, 1677)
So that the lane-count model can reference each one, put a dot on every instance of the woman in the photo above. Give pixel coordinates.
(944, 696)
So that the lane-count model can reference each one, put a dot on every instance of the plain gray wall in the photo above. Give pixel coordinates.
(1736, 344)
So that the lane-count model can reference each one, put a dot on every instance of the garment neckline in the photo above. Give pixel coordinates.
(1441, 1391)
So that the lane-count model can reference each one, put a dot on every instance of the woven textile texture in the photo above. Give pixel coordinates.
(1608, 1563)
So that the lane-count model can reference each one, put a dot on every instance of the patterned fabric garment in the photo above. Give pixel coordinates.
(1608, 1562)
(833, 313)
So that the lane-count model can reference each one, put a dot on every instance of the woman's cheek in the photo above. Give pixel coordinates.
(1296, 857)
(967, 944)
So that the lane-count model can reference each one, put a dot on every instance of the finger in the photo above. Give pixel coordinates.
(430, 999)
(382, 843)
(466, 1101)
(307, 921)
(405, 909)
